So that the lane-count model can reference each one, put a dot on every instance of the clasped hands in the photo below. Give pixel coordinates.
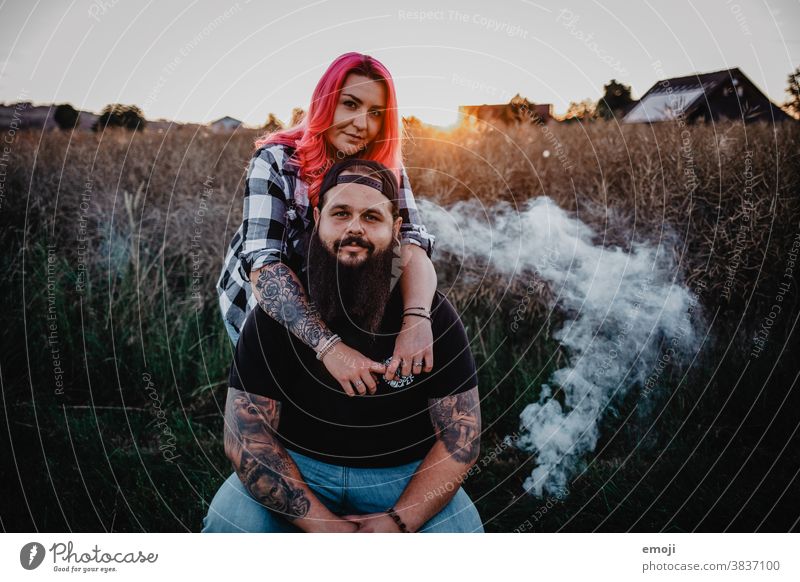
(368, 523)
(357, 374)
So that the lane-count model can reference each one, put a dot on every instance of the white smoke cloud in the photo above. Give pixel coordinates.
(627, 319)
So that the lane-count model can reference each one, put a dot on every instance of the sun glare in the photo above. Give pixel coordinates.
(442, 118)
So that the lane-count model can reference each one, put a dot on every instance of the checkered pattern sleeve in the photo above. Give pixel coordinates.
(264, 216)
(261, 238)
(412, 230)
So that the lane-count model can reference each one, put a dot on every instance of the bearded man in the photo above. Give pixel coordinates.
(308, 457)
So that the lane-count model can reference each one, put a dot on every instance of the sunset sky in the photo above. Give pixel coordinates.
(197, 61)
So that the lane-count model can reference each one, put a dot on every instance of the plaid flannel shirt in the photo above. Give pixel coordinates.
(276, 227)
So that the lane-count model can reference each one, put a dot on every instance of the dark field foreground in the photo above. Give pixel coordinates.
(114, 358)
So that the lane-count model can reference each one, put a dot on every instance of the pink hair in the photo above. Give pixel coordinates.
(308, 137)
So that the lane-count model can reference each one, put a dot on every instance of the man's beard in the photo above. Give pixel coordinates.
(344, 293)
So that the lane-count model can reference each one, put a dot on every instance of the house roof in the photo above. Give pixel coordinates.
(508, 111)
(670, 98)
(226, 119)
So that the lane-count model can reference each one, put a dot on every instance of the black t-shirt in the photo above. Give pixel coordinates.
(391, 427)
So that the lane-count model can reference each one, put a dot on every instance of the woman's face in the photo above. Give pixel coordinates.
(358, 117)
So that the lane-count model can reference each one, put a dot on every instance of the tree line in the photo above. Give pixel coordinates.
(615, 102)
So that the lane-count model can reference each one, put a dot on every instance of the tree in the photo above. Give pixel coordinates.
(297, 116)
(118, 115)
(615, 100)
(793, 89)
(273, 124)
(580, 111)
(411, 123)
(523, 110)
(66, 116)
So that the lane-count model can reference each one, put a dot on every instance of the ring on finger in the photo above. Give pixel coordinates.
(416, 364)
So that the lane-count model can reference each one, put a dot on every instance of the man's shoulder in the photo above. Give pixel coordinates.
(454, 369)
(443, 315)
(441, 305)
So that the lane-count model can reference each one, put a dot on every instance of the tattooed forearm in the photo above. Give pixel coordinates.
(263, 474)
(260, 460)
(457, 422)
(281, 295)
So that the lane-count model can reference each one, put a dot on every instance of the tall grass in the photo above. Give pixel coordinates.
(159, 210)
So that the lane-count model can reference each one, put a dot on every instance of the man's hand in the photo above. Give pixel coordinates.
(352, 370)
(414, 344)
(332, 526)
(373, 523)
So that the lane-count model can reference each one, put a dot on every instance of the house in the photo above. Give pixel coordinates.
(224, 124)
(727, 94)
(162, 125)
(518, 110)
(26, 115)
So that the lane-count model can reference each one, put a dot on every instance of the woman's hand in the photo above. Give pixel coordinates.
(352, 369)
(413, 347)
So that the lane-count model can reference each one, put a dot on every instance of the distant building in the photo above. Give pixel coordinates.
(25, 115)
(87, 119)
(162, 125)
(224, 124)
(727, 94)
(518, 110)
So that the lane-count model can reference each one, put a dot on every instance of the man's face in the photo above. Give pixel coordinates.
(350, 256)
(356, 222)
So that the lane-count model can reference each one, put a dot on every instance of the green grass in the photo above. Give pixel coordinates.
(89, 459)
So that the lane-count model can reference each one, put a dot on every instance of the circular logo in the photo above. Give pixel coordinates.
(31, 555)
(399, 381)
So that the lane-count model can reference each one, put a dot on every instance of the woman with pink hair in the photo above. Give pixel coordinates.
(353, 113)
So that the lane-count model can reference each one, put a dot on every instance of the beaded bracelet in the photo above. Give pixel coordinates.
(329, 343)
(328, 346)
(325, 343)
(393, 514)
(322, 353)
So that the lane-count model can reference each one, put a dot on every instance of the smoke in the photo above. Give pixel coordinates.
(627, 319)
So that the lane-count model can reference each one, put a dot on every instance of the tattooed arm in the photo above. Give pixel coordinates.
(280, 294)
(266, 469)
(457, 422)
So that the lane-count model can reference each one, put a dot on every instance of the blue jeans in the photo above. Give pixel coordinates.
(343, 490)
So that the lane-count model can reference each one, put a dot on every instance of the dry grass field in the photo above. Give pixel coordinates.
(114, 357)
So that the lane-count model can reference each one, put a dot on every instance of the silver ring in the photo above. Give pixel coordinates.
(417, 363)
(359, 383)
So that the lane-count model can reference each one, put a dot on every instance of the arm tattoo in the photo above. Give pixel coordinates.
(259, 459)
(457, 422)
(281, 295)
